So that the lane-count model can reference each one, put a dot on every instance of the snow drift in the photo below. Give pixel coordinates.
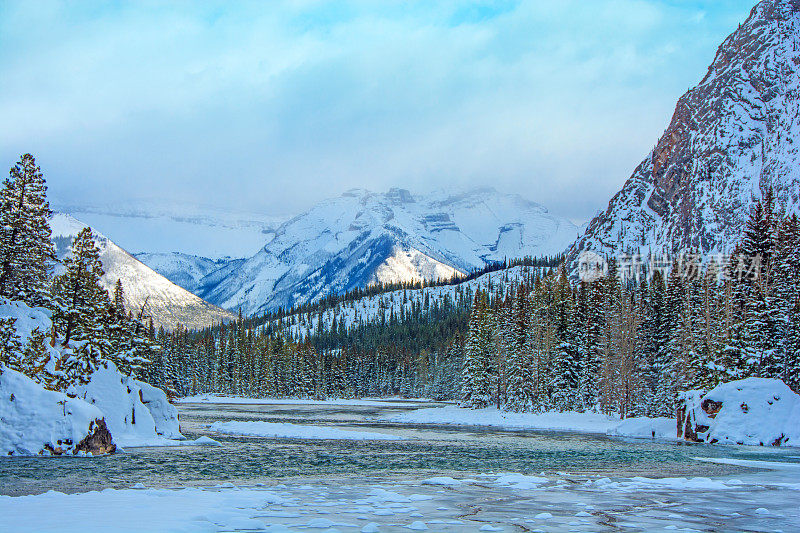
(753, 411)
(137, 414)
(35, 421)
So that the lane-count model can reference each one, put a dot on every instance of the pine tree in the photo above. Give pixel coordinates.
(479, 355)
(35, 359)
(26, 252)
(785, 278)
(566, 364)
(10, 345)
(520, 390)
(80, 307)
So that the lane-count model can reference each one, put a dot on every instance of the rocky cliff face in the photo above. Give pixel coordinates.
(731, 137)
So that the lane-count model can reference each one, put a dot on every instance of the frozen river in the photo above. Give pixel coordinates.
(437, 477)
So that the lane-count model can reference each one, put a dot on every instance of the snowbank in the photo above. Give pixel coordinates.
(754, 411)
(646, 428)
(137, 414)
(26, 318)
(165, 415)
(492, 417)
(37, 421)
(295, 431)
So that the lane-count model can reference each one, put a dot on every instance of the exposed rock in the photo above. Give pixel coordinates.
(99, 440)
(731, 136)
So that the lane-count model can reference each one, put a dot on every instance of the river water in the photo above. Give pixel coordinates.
(427, 451)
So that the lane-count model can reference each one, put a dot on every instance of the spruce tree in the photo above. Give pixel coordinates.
(26, 251)
(10, 345)
(80, 308)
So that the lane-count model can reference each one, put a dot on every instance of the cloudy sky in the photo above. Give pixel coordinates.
(271, 106)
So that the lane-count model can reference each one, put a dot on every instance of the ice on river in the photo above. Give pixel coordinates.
(285, 430)
(485, 502)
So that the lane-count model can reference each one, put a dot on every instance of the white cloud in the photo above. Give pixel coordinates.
(277, 105)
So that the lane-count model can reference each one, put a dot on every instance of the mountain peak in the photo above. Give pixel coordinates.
(363, 237)
(729, 138)
(399, 196)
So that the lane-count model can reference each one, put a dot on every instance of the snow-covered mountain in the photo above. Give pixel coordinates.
(363, 237)
(731, 137)
(184, 270)
(167, 303)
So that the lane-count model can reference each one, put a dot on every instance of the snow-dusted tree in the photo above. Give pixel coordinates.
(566, 362)
(10, 345)
(26, 252)
(786, 291)
(479, 352)
(35, 359)
(119, 298)
(520, 390)
(80, 304)
(758, 246)
(592, 356)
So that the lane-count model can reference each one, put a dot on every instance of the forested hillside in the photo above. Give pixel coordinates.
(526, 338)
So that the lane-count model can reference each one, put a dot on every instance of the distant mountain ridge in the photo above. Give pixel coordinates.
(168, 304)
(732, 136)
(364, 237)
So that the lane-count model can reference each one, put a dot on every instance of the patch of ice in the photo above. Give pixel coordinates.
(286, 430)
(443, 481)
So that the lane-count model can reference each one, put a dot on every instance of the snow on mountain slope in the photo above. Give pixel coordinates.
(168, 303)
(731, 136)
(363, 237)
(184, 270)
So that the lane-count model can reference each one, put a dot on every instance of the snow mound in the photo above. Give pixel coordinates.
(36, 421)
(137, 414)
(646, 428)
(165, 415)
(26, 319)
(753, 411)
(295, 431)
(521, 481)
(203, 441)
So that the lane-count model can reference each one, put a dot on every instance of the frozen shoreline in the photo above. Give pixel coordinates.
(570, 422)
(237, 400)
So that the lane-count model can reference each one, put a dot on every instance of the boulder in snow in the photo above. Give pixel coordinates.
(753, 411)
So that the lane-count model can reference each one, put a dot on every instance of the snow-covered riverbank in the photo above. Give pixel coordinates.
(363, 402)
(763, 501)
(573, 422)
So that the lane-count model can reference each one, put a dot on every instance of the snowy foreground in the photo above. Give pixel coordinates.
(766, 501)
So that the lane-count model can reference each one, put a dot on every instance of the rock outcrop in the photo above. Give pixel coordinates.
(732, 136)
(99, 441)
